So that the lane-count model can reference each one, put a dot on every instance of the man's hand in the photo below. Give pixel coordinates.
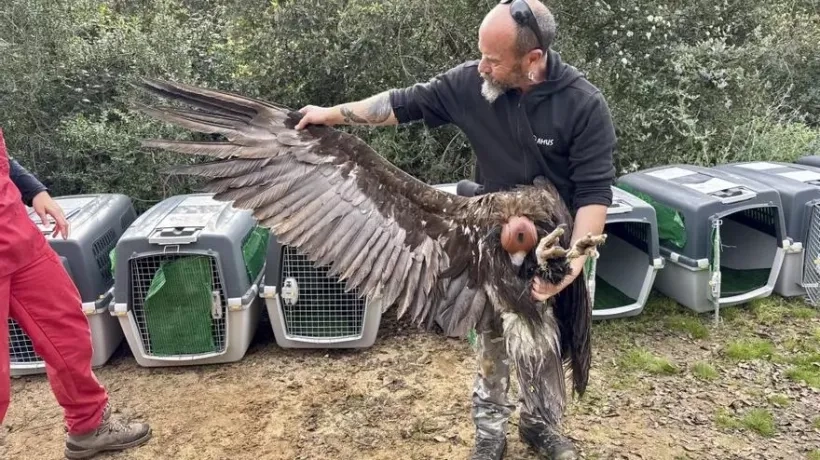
(373, 111)
(314, 115)
(588, 220)
(45, 206)
(542, 290)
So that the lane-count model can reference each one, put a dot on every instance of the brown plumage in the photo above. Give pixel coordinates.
(435, 256)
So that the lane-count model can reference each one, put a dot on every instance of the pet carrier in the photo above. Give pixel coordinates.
(187, 277)
(809, 160)
(96, 223)
(799, 188)
(621, 277)
(309, 308)
(700, 209)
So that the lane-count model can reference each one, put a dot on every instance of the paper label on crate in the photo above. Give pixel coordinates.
(801, 175)
(760, 166)
(190, 217)
(194, 211)
(712, 185)
(671, 173)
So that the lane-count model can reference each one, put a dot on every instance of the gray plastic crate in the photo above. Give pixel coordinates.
(629, 260)
(809, 160)
(308, 308)
(187, 278)
(799, 188)
(698, 207)
(96, 223)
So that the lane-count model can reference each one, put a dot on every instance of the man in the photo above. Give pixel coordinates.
(36, 291)
(527, 115)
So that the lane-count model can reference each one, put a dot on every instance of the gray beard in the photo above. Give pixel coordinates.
(491, 91)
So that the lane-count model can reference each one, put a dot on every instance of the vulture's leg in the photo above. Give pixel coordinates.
(548, 249)
(552, 258)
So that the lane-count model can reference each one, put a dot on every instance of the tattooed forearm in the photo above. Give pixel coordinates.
(375, 110)
(350, 117)
(380, 109)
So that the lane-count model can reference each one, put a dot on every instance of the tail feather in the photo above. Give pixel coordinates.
(573, 312)
(536, 354)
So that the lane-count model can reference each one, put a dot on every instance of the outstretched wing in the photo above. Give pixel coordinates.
(330, 196)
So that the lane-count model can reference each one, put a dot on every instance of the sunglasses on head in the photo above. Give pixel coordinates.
(523, 15)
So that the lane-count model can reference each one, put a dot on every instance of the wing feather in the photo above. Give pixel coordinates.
(370, 278)
(289, 201)
(354, 271)
(311, 241)
(221, 169)
(395, 283)
(355, 248)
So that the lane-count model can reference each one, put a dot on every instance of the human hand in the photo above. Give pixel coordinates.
(542, 290)
(313, 115)
(45, 206)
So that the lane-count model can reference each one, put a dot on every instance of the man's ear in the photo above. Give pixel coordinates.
(535, 56)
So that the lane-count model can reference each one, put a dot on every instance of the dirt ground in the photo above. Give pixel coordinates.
(407, 397)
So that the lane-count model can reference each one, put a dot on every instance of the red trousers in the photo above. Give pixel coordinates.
(41, 297)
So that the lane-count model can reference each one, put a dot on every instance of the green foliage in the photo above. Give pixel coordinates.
(749, 349)
(704, 371)
(688, 324)
(700, 82)
(779, 400)
(805, 373)
(67, 70)
(643, 360)
(758, 420)
(690, 82)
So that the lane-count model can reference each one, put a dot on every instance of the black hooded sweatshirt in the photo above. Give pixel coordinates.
(561, 129)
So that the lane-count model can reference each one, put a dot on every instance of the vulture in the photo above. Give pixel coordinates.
(449, 263)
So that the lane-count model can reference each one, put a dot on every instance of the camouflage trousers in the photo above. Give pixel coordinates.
(492, 408)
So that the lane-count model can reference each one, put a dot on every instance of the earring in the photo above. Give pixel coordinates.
(531, 76)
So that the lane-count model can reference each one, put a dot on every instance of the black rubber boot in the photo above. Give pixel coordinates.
(487, 448)
(548, 443)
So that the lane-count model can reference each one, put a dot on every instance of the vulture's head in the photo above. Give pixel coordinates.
(518, 238)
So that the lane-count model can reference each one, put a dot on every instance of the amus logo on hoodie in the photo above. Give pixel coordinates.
(543, 142)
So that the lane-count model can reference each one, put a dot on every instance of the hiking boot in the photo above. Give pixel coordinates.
(112, 434)
(547, 443)
(487, 448)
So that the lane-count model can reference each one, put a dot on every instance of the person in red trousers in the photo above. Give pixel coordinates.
(36, 291)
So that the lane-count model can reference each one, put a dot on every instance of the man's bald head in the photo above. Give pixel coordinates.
(499, 28)
(499, 24)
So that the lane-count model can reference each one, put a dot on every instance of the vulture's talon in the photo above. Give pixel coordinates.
(554, 252)
(586, 246)
(547, 248)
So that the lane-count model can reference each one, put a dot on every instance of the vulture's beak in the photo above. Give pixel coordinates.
(518, 237)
